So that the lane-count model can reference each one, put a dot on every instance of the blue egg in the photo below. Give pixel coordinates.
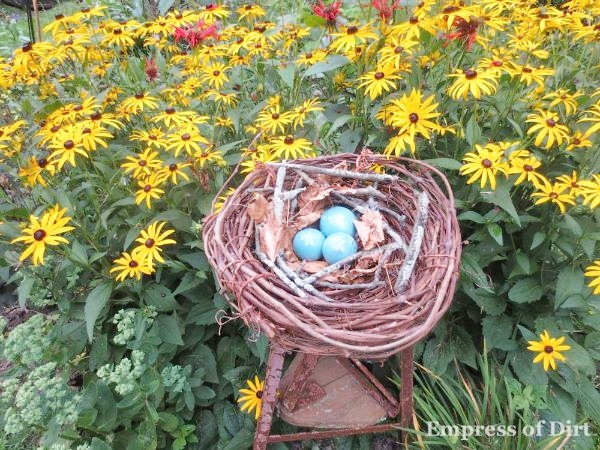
(337, 220)
(338, 246)
(307, 244)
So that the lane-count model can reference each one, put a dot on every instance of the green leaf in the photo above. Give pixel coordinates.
(287, 75)
(94, 304)
(168, 329)
(471, 269)
(489, 303)
(98, 444)
(204, 393)
(495, 232)
(24, 290)
(168, 422)
(206, 360)
(579, 359)
(197, 260)
(189, 281)
(332, 63)
(516, 127)
(164, 6)
(589, 399)
(444, 163)
(501, 197)
(570, 282)
(472, 131)
(497, 332)
(592, 344)
(78, 253)
(526, 370)
(160, 297)
(471, 216)
(527, 290)
(538, 239)
(242, 439)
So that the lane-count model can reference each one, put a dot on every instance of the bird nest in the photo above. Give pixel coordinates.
(370, 305)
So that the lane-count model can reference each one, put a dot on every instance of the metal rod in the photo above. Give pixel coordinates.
(333, 433)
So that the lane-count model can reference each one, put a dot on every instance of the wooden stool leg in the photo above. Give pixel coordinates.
(269, 398)
(406, 391)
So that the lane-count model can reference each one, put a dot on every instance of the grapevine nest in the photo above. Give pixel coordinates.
(371, 305)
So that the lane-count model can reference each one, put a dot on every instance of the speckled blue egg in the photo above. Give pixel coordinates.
(338, 246)
(308, 244)
(337, 219)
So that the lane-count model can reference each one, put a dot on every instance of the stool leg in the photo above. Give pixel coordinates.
(269, 398)
(406, 391)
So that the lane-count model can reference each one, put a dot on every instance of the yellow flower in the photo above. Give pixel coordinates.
(301, 112)
(131, 266)
(272, 120)
(35, 168)
(250, 12)
(594, 113)
(578, 140)
(554, 193)
(252, 398)
(411, 114)
(594, 272)
(144, 164)
(547, 127)
(351, 36)
(378, 81)
(484, 164)
(477, 82)
(548, 349)
(289, 147)
(151, 242)
(137, 103)
(565, 98)
(215, 75)
(149, 189)
(571, 182)
(174, 172)
(525, 166)
(187, 138)
(42, 232)
(398, 144)
(590, 189)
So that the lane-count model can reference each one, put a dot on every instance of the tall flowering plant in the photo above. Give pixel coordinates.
(119, 134)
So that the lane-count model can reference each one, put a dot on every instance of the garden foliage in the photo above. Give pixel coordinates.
(119, 134)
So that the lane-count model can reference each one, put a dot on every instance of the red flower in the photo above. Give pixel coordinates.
(465, 31)
(329, 12)
(196, 34)
(151, 69)
(384, 9)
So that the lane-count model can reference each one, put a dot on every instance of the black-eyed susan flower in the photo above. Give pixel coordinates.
(273, 120)
(578, 140)
(155, 137)
(151, 241)
(215, 75)
(213, 12)
(208, 155)
(43, 232)
(590, 190)
(398, 144)
(571, 182)
(143, 164)
(564, 98)
(138, 102)
(129, 265)
(382, 79)
(307, 59)
(556, 193)
(36, 168)
(250, 11)
(66, 145)
(526, 167)
(593, 116)
(170, 116)
(412, 114)
(593, 271)
(529, 74)
(396, 51)
(290, 147)
(300, 113)
(477, 82)
(547, 128)
(116, 34)
(93, 134)
(484, 164)
(150, 189)
(350, 36)
(251, 400)
(186, 138)
(549, 349)
(174, 171)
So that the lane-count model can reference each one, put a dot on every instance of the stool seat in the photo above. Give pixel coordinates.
(335, 395)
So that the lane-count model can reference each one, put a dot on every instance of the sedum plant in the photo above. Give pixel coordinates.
(119, 134)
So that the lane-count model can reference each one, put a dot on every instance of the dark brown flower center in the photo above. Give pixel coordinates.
(470, 74)
(133, 264)
(170, 110)
(550, 122)
(59, 16)
(148, 188)
(117, 31)
(216, 73)
(259, 394)
(548, 349)
(185, 137)
(77, 108)
(139, 95)
(399, 49)
(55, 128)
(486, 163)
(413, 20)
(527, 168)
(69, 144)
(379, 75)
(553, 195)
(42, 162)
(576, 141)
(497, 63)
(274, 116)
(352, 29)
(96, 116)
(39, 235)
(86, 130)
(149, 243)
(173, 167)
(413, 117)
(308, 55)
(527, 70)
(27, 47)
(289, 140)
(142, 162)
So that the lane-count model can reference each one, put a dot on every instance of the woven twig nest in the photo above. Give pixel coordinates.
(384, 299)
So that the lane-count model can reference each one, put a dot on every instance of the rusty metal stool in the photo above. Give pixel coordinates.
(384, 299)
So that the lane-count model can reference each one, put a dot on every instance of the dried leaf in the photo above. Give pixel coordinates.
(258, 207)
(271, 235)
(370, 229)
